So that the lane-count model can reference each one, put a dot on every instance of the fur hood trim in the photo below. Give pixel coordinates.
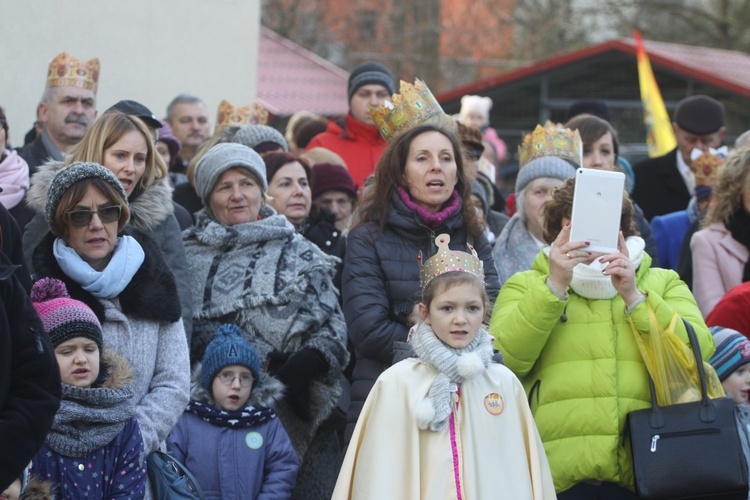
(150, 295)
(116, 369)
(147, 211)
(38, 489)
(267, 392)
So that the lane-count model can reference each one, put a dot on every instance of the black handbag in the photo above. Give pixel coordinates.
(170, 480)
(688, 450)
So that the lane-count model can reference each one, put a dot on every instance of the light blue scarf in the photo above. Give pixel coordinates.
(107, 284)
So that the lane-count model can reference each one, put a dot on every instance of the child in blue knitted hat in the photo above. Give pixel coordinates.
(732, 364)
(229, 436)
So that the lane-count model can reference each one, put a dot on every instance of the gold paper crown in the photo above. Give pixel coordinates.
(66, 70)
(229, 116)
(414, 105)
(551, 140)
(705, 168)
(447, 260)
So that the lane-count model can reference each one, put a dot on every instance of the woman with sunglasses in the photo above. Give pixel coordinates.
(122, 144)
(121, 275)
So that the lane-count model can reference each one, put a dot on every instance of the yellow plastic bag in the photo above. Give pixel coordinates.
(671, 364)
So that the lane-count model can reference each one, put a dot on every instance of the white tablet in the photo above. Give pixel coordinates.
(597, 209)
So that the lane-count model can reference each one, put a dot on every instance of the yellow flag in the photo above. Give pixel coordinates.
(659, 133)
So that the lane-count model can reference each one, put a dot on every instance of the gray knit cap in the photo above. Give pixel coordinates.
(73, 173)
(546, 166)
(221, 158)
(253, 135)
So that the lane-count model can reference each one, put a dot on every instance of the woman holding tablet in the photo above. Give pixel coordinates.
(564, 328)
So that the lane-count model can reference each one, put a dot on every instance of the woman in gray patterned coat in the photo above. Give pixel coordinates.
(251, 268)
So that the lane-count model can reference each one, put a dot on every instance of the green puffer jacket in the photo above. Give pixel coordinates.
(584, 375)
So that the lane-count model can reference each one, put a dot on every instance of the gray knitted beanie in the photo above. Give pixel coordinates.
(73, 173)
(253, 135)
(221, 158)
(546, 166)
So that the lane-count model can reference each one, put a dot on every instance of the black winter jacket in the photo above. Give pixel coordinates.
(29, 377)
(380, 284)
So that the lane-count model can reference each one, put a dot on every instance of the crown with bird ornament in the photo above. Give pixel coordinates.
(551, 140)
(706, 164)
(414, 105)
(448, 261)
(66, 70)
(230, 116)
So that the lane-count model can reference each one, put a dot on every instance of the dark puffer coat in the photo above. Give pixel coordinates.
(380, 285)
(29, 377)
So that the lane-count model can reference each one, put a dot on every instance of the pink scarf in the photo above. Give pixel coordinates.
(14, 179)
(435, 220)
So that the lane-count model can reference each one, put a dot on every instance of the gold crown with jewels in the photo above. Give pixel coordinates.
(551, 140)
(66, 70)
(230, 116)
(414, 105)
(447, 261)
(706, 165)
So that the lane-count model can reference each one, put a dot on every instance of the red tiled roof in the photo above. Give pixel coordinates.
(292, 79)
(725, 69)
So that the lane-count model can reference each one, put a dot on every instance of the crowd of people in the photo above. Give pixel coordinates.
(352, 308)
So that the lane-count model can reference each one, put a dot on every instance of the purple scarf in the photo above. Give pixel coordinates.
(435, 220)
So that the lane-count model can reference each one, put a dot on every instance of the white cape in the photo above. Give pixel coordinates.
(500, 455)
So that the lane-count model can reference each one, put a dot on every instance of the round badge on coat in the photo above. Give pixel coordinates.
(254, 440)
(493, 403)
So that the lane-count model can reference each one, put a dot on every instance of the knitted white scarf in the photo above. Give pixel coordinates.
(455, 366)
(588, 280)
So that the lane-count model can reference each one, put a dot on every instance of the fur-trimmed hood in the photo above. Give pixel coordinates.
(116, 370)
(147, 210)
(38, 489)
(151, 293)
(266, 392)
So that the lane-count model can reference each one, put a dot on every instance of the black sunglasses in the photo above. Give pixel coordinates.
(81, 218)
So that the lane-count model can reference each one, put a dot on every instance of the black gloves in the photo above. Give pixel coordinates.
(297, 373)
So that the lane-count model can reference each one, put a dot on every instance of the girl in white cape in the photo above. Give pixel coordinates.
(450, 423)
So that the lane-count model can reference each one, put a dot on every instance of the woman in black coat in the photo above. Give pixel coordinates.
(420, 191)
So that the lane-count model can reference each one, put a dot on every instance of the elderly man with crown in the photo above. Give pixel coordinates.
(66, 111)
(449, 422)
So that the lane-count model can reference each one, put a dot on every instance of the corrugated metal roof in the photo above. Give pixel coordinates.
(291, 79)
(725, 69)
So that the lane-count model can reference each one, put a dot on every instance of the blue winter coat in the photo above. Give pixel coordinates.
(243, 463)
(117, 470)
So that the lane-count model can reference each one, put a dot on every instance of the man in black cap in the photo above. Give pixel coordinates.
(665, 184)
(355, 137)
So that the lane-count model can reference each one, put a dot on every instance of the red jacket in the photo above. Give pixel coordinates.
(359, 144)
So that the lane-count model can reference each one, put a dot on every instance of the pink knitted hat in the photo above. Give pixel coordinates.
(64, 318)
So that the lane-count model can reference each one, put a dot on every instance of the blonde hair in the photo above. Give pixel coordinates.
(105, 132)
(731, 179)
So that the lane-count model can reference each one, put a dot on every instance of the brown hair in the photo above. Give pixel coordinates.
(275, 161)
(560, 206)
(75, 194)
(731, 179)
(389, 174)
(592, 128)
(449, 280)
(105, 132)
